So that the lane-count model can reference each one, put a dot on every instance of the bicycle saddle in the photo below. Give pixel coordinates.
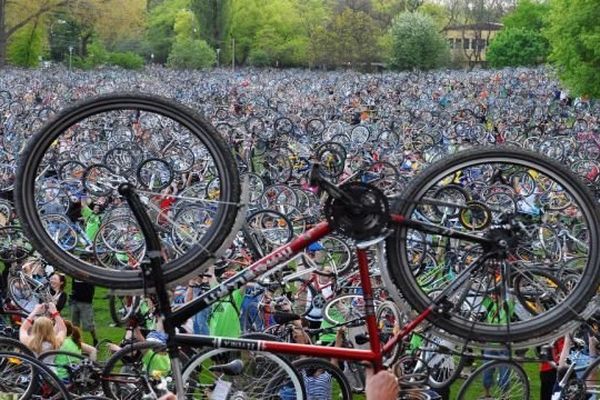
(234, 367)
(281, 317)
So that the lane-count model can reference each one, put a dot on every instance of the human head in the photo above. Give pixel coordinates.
(42, 331)
(58, 282)
(73, 332)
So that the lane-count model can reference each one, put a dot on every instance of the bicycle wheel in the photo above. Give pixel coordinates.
(322, 379)
(470, 302)
(122, 308)
(132, 371)
(241, 374)
(591, 377)
(142, 114)
(389, 318)
(27, 378)
(496, 380)
(346, 308)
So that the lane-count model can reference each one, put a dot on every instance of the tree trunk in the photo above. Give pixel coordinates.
(3, 38)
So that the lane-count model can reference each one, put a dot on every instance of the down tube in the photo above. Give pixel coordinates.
(259, 268)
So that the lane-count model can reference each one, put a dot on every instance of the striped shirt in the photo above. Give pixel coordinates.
(318, 387)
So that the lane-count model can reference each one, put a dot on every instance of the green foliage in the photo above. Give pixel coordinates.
(26, 46)
(259, 58)
(416, 43)
(528, 14)
(514, 47)
(190, 53)
(127, 60)
(185, 24)
(438, 13)
(574, 34)
(160, 27)
(213, 16)
(97, 54)
(350, 37)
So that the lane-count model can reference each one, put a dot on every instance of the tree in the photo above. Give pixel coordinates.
(26, 45)
(15, 15)
(281, 38)
(188, 50)
(528, 14)
(416, 43)
(438, 13)
(213, 16)
(160, 27)
(188, 53)
(574, 35)
(514, 47)
(350, 37)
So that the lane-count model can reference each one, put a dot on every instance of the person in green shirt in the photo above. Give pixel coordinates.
(225, 316)
(90, 212)
(72, 344)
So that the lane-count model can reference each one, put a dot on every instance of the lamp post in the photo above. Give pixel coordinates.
(70, 59)
(233, 54)
(218, 58)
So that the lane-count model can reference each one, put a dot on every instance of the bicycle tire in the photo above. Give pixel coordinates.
(178, 268)
(341, 386)
(41, 372)
(124, 358)
(399, 267)
(389, 318)
(473, 383)
(117, 316)
(330, 315)
(273, 386)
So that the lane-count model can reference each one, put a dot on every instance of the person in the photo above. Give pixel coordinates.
(58, 282)
(197, 287)
(39, 334)
(82, 312)
(225, 317)
(381, 386)
(318, 382)
(90, 211)
(72, 344)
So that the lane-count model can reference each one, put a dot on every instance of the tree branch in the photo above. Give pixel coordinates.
(37, 14)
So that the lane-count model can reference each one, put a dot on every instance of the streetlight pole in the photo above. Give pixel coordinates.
(218, 58)
(233, 54)
(70, 59)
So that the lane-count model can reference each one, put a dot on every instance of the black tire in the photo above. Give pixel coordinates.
(472, 387)
(117, 303)
(591, 377)
(456, 322)
(195, 127)
(125, 375)
(40, 374)
(339, 383)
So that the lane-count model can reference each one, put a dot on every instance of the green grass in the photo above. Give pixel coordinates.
(102, 318)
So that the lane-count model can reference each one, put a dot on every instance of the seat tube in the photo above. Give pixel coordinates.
(363, 268)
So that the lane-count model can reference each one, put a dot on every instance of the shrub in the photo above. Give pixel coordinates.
(188, 53)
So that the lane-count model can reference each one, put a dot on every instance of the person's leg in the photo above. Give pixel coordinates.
(75, 313)
(547, 379)
(87, 320)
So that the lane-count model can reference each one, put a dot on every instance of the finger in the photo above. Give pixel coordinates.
(368, 370)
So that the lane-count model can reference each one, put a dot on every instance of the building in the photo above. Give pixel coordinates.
(468, 43)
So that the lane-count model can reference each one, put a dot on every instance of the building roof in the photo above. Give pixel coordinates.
(482, 26)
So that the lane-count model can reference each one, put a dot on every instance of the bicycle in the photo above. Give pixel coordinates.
(357, 210)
